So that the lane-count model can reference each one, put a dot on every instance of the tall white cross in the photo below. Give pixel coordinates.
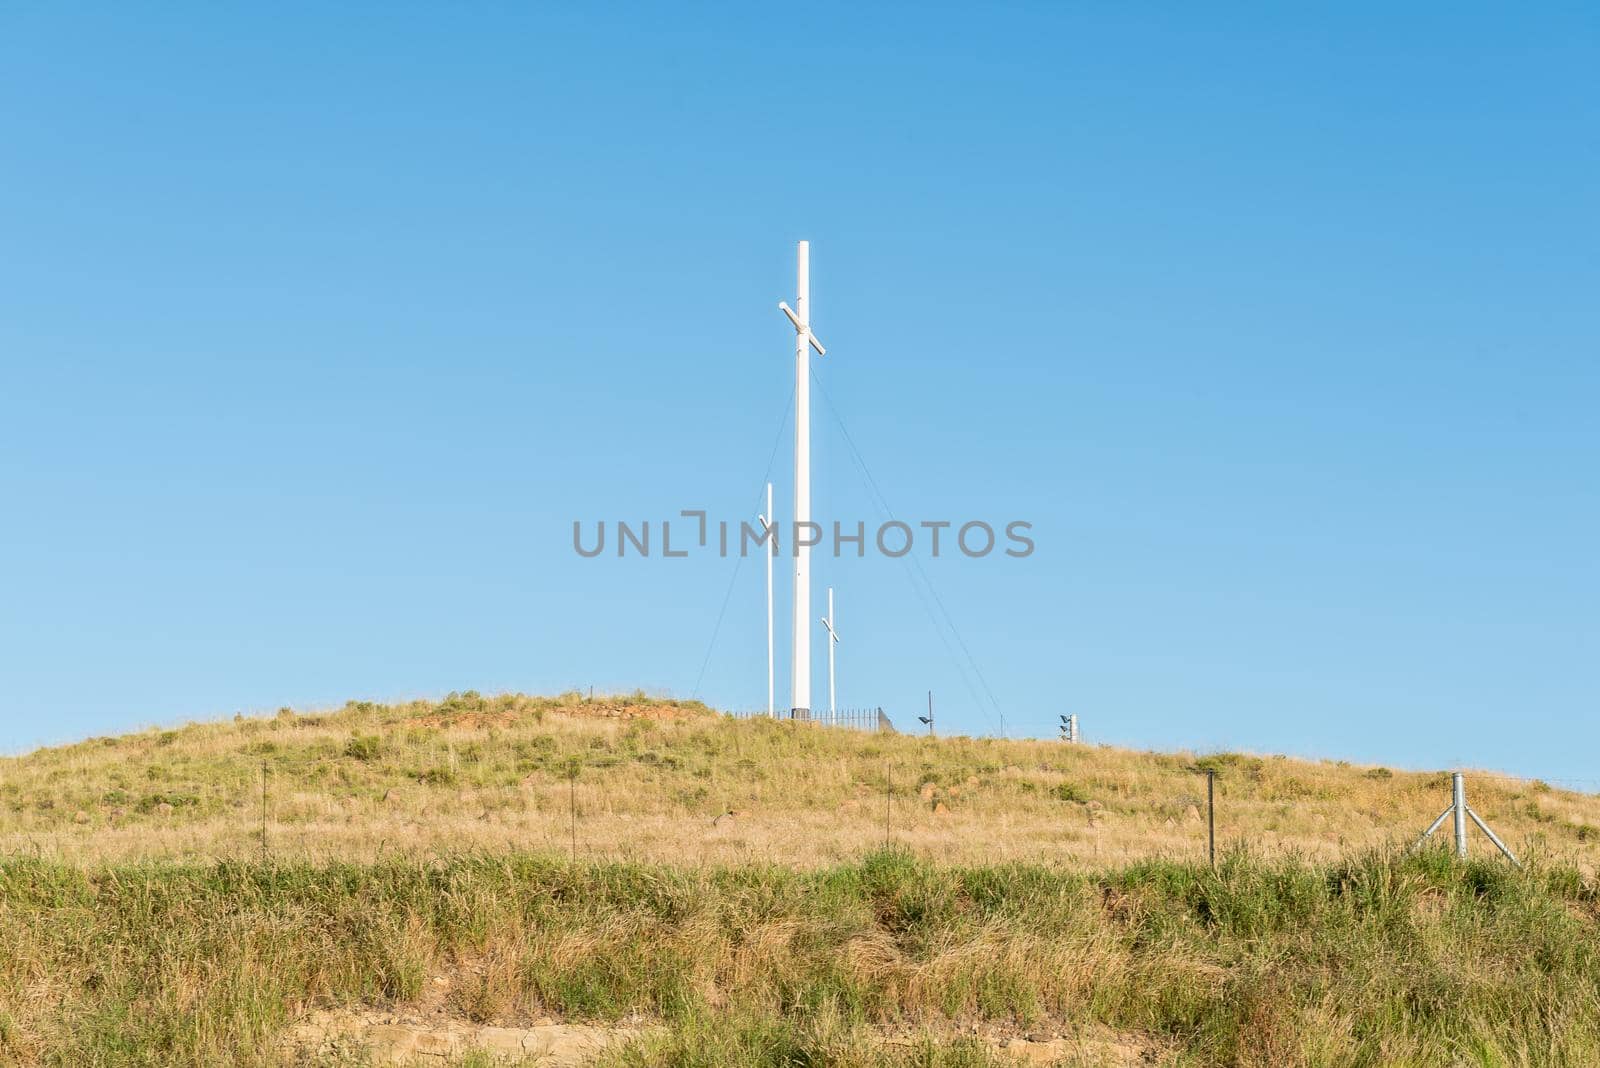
(804, 342)
(833, 640)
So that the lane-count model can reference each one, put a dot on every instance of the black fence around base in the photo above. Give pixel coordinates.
(871, 720)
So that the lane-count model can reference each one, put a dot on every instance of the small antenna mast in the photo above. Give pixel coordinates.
(833, 640)
(769, 531)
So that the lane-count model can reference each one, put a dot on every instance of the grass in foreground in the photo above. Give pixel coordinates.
(1374, 960)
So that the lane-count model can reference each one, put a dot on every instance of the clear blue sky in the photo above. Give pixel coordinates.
(321, 324)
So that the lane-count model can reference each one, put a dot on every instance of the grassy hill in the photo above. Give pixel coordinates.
(656, 780)
(733, 902)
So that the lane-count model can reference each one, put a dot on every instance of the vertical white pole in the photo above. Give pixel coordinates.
(800, 667)
(1458, 801)
(833, 640)
(771, 527)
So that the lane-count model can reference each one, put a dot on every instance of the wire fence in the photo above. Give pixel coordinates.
(870, 720)
(282, 809)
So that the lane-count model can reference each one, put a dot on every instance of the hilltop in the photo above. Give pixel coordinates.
(646, 779)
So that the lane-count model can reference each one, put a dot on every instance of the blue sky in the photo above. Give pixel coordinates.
(320, 326)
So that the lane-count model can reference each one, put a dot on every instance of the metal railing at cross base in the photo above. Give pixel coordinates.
(870, 720)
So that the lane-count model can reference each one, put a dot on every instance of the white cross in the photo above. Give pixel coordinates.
(805, 341)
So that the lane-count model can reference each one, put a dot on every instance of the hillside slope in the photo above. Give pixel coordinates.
(639, 779)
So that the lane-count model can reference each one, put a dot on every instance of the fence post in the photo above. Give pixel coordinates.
(1458, 790)
(888, 793)
(264, 851)
(1458, 808)
(1211, 815)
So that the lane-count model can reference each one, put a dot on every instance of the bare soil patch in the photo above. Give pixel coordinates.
(573, 709)
(409, 1039)
(397, 1039)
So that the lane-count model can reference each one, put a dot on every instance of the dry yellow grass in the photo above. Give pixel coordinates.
(657, 781)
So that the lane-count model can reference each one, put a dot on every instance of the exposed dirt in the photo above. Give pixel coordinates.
(1101, 1047)
(395, 1039)
(599, 709)
(401, 1039)
(428, 1030)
